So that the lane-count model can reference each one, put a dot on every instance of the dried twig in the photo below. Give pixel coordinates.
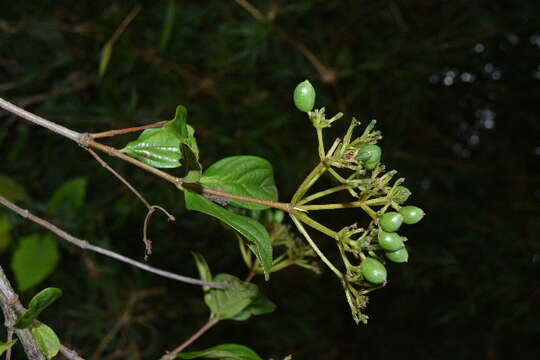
(110, 133)
(87, 246)
(151, 208)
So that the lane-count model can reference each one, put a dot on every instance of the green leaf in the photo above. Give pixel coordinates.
(47, 340)
(168, 25)
(242, 175)
(68, 198)
(203, 268)
(12, 191)
(224, 351)
(251, 229)
(164, 147)
(226, 304)
(6, 345)
(5, 233)
(105, 57)
(35, 257)
(38, 303)
(260, 305)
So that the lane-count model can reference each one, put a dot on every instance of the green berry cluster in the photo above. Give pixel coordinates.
(356, 164)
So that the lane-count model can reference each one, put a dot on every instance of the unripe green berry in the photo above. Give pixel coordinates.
(373, 270)
(390, 221)
(304, 96)
(370, 155)
(390, 241)
(398, 256)
(370, 165)
(411, 214)
(402, 194)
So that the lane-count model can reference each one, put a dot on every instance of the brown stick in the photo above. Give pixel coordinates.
(86, 141)
(11, 308)
(208, 325)
(87, 246)
(110, 133)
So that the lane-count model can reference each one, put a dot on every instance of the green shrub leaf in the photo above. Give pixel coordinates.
(6, 345)
(38, 303)
(242, 175)
(226, 304)
(247, 227)
(203, 268)
(224, 351)
(47, 340)
(164, 147)
(35, 257)
(260, 305)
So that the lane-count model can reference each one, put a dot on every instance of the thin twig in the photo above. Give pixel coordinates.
(151, 208)
(11, 307)
(9, 338)
(86, 140)
(119, 177)
(87, 246)
(147, 242)
(59, 129)
(209, 324)
(69, 354)
(111, 133)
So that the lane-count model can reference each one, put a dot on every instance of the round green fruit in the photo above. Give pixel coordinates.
(402, 194)
(390, 241)
(369, 154)
(304, 96)
(398, 256)
(390, 221)
(373, 271)
(411, 214)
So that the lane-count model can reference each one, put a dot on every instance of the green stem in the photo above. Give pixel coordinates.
(354, 204)
(315, 225)
(314, 247)
(321, 194)
(320, 140)
(308, 182)
(338, 177)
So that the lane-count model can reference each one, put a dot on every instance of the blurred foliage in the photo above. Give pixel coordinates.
(454, 85)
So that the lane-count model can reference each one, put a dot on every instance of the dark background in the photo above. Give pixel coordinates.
(453, 84)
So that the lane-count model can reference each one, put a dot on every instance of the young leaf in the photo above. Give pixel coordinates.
(6, 345)
(68, 198)
(203, 268)
(35, 257)
(226, 304)
(247, 227)
(38, 303)
(224, 351)
(159, 148)
(164, 147)
(47, 340)
(260, 305)
(242, 175)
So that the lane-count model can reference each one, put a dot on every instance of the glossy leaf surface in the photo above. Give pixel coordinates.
(251, 229)
(242, 175)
